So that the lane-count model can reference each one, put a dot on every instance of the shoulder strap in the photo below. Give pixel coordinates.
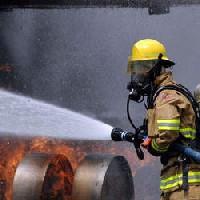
(183, 90)
(179, 88)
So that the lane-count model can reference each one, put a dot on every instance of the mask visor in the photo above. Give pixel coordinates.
(140, 66)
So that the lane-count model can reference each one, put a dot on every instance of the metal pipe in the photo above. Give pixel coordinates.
(6, 5)
(103, 177)
(43, 176)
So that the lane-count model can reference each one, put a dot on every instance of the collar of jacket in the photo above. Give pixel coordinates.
(164, 79)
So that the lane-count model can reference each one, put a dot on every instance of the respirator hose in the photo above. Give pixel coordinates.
(128, 114)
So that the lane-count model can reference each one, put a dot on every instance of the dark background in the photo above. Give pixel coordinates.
(77, 58)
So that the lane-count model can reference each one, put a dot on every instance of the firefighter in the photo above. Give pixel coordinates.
(171, 118)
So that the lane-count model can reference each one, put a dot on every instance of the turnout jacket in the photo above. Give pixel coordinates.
(172, 119)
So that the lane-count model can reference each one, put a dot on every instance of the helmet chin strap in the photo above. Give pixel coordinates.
(153, 73)
(156, 70)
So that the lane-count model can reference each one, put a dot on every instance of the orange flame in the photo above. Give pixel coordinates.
(13, 149)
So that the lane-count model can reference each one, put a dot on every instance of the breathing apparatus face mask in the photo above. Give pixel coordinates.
(141, 81)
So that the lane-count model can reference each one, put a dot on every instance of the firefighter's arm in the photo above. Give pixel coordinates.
(160, 144)
(167, 124)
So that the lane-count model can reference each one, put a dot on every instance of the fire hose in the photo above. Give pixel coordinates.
(119, 134)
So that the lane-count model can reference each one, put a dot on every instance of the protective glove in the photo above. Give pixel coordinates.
(146, 142)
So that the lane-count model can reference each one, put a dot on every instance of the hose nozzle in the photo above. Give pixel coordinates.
(119, 134)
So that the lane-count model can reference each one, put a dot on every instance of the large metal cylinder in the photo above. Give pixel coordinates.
(43, 176)
(103, 177)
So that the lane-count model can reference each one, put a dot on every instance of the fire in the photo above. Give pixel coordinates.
(58, 180)
(13, 150)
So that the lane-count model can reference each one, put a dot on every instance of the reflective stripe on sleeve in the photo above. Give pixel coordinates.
(168, 124)
(177, 180)
(156, 147)
(189, 133)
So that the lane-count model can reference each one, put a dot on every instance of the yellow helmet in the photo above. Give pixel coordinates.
(144, 55)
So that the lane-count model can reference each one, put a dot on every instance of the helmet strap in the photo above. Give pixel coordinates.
(156, 70)
(153, 73)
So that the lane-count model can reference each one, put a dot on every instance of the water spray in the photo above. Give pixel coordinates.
(25, 116)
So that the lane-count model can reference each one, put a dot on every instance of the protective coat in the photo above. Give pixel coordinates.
(172, 118)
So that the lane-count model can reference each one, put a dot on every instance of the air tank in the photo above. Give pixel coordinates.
(197, 94)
